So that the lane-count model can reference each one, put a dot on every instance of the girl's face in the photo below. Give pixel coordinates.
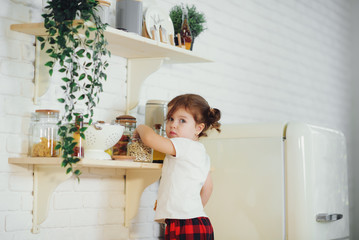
(182, 124)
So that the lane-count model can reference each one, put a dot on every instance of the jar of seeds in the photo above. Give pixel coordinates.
(139, 150)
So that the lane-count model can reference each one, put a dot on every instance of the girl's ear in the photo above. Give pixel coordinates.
(199, 128)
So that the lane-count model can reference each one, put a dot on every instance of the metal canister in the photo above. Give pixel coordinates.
(129, 15)
(156, 113)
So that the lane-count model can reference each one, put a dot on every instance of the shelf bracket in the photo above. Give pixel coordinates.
(138, 69)
(42, 76)
(136, 182)
(46, 180)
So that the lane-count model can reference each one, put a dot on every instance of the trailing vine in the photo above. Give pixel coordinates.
(77, 49)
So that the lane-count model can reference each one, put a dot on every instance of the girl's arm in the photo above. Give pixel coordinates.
(206, 190)
(154, 141)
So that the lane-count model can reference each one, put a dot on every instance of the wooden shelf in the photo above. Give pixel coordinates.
(48, 174)
(124, 164)
(128, 45)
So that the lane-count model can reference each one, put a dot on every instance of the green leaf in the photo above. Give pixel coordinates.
(81, 97)
(73, 129)
(72, 145)
(68, 170)
(82, 135)
(65, 79)
(69, 118)
(76, 160)
(64, 163)
(41, 39)
(83, 129)
(49, 64)
(80, 52)
(51, 71)
(82, 76)
(61, 100)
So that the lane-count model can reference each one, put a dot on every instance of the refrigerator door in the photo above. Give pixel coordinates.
(317, 183)
(248, 195)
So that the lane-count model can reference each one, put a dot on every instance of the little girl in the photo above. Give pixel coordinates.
(186, 184)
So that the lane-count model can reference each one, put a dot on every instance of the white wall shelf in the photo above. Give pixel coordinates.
(48, 174)
(142, 53)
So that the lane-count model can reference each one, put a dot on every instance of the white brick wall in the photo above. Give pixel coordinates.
(274, 60)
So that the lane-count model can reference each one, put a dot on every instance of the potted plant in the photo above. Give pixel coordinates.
(76, 45)
(196, 20)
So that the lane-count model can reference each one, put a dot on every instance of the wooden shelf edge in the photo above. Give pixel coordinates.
(128, 45)
(86, 163)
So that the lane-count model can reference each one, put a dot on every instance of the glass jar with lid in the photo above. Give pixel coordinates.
(44, 135)
(129, 122)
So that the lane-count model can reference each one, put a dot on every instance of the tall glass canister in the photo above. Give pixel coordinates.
(44, 135)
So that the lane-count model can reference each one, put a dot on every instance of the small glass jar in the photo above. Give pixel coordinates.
(44, 135)
(129, 122)
(140, 151)
(79, 148)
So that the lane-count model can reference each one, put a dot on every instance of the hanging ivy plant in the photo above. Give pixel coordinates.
(77, 49)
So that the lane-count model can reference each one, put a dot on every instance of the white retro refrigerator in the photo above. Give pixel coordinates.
(278, 181)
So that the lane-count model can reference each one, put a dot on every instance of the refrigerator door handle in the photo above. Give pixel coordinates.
(325, 217)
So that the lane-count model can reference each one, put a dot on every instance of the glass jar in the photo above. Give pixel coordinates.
(129, 122)
(79, 148)
(158, 157)
(142, 153)
(156, 113)
(44, 135)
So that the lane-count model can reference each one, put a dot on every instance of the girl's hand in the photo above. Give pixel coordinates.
(153, 140)
(135, 135)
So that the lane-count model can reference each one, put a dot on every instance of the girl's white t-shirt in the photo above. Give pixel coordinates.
(182, 179)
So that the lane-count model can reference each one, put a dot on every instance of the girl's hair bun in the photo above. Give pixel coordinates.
(214, 115)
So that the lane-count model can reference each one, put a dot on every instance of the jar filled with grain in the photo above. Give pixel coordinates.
(139, 150)
(44, 135)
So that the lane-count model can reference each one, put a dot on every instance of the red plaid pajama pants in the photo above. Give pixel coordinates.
(189, 229)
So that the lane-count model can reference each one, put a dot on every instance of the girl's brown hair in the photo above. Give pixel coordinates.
(200, 110)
